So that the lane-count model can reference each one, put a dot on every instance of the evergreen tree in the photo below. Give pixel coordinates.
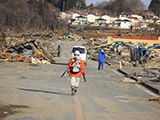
(70, 4)
(81, 4)
(155, 7)
(91, 5)
(113, 8)
(122, 6)
(3, 1)
(75, 4)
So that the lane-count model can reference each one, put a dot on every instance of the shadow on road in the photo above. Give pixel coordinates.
(61, 63)
(32, 90)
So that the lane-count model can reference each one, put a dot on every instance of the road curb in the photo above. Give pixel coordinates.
(147, 85)
(108, 63)
(150, 87)
(123, 72)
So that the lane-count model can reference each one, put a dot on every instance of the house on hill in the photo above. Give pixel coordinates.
(92, 17)
(109, 18)
(133, 18)
(74, 15)
(106, 17)
(121, 24)
(65, 15)
(125, 24)
(124, 14)
(134, 21)
(80, 20)
(70, 20)
(101, 21)
(138, 17)
(158, 22)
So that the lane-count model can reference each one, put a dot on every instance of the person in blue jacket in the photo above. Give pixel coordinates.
(100, 58)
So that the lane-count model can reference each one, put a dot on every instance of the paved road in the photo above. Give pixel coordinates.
(48, 96)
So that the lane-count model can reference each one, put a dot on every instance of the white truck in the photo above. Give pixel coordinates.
(83, 53)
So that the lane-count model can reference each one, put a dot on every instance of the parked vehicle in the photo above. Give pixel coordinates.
(83, 53)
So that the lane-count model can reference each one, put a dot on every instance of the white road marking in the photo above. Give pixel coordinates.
(139, 86)
(147, 91)
(127, 101)
(122, 99)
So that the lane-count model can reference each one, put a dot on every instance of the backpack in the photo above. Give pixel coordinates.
(59, 49)
(75, 68)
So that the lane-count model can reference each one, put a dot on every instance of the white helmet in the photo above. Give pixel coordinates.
(76, 53)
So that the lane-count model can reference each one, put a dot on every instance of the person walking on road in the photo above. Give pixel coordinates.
(76, 69)
(100, 58)
(59, 50)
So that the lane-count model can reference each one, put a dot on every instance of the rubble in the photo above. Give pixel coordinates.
(36, 49)
(111, 50)
(41, 51)
(70, 37)
(30, 51)
(120, 52)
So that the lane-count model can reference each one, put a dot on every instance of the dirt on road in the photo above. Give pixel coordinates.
(7, 109)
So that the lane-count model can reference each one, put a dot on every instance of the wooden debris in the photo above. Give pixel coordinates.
(20, 53)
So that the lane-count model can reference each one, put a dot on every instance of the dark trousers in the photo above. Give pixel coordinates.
(58, 54)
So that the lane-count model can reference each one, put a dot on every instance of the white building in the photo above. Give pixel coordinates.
(125, 24)
(106, 17)
(74, 15)
(158, 22)
(137, 16)
(109, 18)
(80, 20)
(65, 15)
(101, 21)
(92, 17)
(124, 14)
(122, 24)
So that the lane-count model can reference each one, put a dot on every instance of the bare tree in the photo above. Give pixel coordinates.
(29, 15)
(3, 12)
(136, 5)
(101, 5)
(36, 22)
(24, 17)
(116, 7)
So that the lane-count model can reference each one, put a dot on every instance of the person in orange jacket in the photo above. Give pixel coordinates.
(75, 77)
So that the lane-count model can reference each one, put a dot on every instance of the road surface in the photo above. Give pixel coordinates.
(48, 97)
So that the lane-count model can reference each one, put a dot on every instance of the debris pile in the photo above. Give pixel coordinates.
(121, 52)
(111, 50)
(70, 37)
(31, 51)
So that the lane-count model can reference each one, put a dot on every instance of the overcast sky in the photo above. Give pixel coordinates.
(88, 2)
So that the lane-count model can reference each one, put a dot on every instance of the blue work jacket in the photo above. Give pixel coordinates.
(101, 57)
